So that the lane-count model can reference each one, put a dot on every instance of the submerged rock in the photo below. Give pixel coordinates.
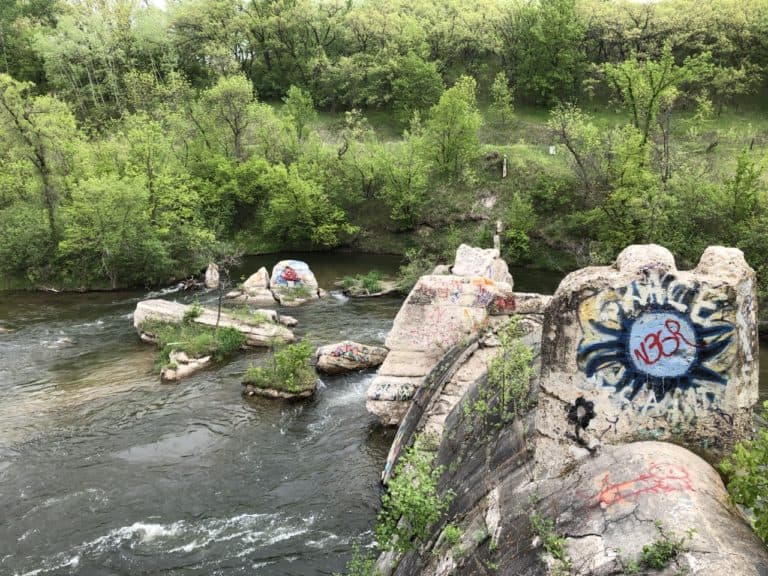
(348, 356)
(181, 366)
(251, 390)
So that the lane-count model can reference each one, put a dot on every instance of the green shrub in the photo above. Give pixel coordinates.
(348, 282)
(746, 471)
(554, 543)
(412, 497)
(361, 564)
(194, 311)
(296, 292)
(248, 316)
(510, 373)
(287, 370)
(371, 282)
(195, 340)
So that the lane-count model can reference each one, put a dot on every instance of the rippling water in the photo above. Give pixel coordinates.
(104, 471)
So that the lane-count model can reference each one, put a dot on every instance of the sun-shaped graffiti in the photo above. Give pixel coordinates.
(658, 334)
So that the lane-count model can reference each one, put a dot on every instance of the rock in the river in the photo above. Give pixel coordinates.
(255, 290)
(212, 276)
(181, 366)
(293, 283)
(265, 334)
(251, 390)
(4, 330)
(348, 356)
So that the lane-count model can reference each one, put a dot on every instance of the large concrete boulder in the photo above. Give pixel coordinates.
(293, 283)
(348, 356)
(483, 262)
(652, 352)
(439, 312)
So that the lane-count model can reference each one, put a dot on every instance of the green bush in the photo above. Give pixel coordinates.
(361, 564)
(195, 340)
(510, 373)
(371, 282)
(747, 483)
(412, 497)
(194, 311)
(288, 370)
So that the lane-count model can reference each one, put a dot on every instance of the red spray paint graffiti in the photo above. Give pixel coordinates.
(659, 479)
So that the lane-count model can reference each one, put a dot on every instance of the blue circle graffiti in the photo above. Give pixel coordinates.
(662, 344)
(656, 334)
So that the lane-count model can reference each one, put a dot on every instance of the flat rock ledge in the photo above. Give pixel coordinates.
(262, 335)
(348, 356)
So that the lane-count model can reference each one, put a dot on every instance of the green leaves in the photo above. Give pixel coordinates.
(412, 504)
(747, 472)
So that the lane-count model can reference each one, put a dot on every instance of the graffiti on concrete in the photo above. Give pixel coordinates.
(359, 354)
(659, 478)
(657, 333)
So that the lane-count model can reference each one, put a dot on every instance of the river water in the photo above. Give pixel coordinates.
(105, 471)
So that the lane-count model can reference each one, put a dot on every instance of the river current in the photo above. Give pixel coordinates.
(105, 471)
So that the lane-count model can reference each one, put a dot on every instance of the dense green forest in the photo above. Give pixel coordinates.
(139, 143)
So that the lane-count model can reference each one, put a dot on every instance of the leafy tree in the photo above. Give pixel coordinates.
(501, 108)
(300, 212)
(648, 87)
(544, 49)
(230, 103)
(406, 178)
(450, 138)
(300, 109)
(43, 130)
(416, 87)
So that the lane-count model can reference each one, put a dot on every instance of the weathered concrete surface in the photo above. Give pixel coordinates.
(484, 262)
(348, 356)
(439, 312)
(266, 334)
(212, 276)
(660, 353)
(604, 489)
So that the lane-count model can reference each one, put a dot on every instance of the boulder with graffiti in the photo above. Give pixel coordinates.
(293, 283)
(348, 356)
(659, 353)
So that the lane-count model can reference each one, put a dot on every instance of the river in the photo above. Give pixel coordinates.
(105, 471)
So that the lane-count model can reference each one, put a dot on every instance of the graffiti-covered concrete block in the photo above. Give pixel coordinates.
(651, 352)
(439, 312)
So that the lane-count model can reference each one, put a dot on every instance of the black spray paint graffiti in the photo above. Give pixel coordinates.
(656, 333)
